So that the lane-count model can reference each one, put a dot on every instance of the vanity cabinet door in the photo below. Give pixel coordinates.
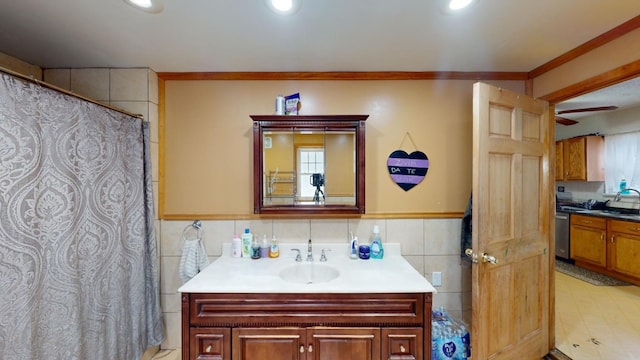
(588, 240)
(402, 343)
(343, 344)
(268, 344)
(210, 344)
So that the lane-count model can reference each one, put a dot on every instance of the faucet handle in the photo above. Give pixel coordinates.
(323, 257)
(299, 256)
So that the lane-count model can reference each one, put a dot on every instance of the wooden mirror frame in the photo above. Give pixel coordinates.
(320, 122)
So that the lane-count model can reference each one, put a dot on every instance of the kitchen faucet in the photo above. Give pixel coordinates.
(310, 251)
(617, 198)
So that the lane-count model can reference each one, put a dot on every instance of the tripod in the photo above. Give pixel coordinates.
(317, 180)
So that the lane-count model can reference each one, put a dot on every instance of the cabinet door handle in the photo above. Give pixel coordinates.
(208, 349)
(310, 349)
(301, 349)
(601, 236)
(402, 349)
(613, 239)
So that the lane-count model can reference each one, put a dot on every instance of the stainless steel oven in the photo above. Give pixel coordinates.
(562, 235)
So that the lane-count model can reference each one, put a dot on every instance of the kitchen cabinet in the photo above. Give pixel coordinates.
(624, 249)
(306, 326)
(559, 160)
(588, 240)
(580, 158)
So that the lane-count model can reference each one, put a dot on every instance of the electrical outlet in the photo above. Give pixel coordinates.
(437, 278)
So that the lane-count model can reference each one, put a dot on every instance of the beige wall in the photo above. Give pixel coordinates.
(208, 139)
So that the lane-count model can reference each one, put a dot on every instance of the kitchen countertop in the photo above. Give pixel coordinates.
(606, 213)
(392, 274)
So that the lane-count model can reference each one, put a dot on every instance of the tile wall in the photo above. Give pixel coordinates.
(428, 244)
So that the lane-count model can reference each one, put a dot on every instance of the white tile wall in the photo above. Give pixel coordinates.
(91, 83)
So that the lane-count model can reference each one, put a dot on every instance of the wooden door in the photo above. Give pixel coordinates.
(343, 344)
(268, 344)
(512, 200)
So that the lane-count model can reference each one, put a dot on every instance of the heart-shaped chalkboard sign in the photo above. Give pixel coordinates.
(407, 170)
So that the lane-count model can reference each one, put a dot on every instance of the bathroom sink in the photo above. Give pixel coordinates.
(309, 273)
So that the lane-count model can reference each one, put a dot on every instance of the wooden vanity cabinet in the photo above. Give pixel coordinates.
(306, 326)
(580, 158)
(588, 241)
(624, 249)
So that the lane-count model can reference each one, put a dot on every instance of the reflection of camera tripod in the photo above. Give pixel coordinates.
(317, 180)
(316, 197)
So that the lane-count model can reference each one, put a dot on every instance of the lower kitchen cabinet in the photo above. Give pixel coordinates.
(624, 249)
(588, 240)
(607, 246)
(306, 326)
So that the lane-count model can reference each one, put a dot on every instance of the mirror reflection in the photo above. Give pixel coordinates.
(309, 167)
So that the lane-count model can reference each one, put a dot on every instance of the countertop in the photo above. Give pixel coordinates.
(392, 274)
(606, 213)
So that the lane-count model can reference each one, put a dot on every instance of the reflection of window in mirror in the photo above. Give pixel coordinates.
(310, 161)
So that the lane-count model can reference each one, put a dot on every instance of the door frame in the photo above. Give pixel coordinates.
(597, 82)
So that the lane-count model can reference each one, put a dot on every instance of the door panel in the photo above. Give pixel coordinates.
(512, 193)
(344, 344)
(268, 343)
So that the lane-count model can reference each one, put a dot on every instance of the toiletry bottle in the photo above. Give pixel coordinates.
(274, 251)
(353, 249)
(236, 246)
(255, 248)
(247, 238)
(377, 252)
(264, 247)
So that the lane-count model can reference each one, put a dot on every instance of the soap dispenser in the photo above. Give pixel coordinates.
(377, 252)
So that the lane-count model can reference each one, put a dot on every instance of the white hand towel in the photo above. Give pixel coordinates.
(194, 259)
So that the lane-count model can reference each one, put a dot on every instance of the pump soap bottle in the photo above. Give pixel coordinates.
(377, 252)
(247, 239)
(274, 251)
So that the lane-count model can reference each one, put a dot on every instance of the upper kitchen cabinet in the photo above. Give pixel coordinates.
(580, 158)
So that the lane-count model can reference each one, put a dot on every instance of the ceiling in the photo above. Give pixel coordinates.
(324, 35)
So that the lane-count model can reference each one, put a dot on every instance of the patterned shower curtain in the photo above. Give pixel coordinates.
(78, 261)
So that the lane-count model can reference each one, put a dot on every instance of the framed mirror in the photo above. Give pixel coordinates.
(311, 164)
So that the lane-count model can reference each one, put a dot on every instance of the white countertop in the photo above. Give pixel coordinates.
(392, 274)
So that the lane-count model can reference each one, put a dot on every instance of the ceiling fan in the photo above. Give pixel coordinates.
(565, 121)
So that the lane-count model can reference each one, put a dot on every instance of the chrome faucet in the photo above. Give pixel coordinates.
(309, 252)
(617, 198)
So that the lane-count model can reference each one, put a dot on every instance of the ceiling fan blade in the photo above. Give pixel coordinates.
(599, 108)
(565, 121)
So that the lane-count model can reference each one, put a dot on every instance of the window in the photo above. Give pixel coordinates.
(310, 161)
(622, 160)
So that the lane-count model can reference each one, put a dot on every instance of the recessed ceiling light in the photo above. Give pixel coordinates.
(283, 7)
(151, 6)
(459, 4)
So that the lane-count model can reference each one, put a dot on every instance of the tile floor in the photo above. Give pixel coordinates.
(597, 322)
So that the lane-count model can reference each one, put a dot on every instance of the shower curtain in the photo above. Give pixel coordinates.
(78, 261)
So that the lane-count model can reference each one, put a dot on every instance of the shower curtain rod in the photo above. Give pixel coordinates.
(67, 92)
